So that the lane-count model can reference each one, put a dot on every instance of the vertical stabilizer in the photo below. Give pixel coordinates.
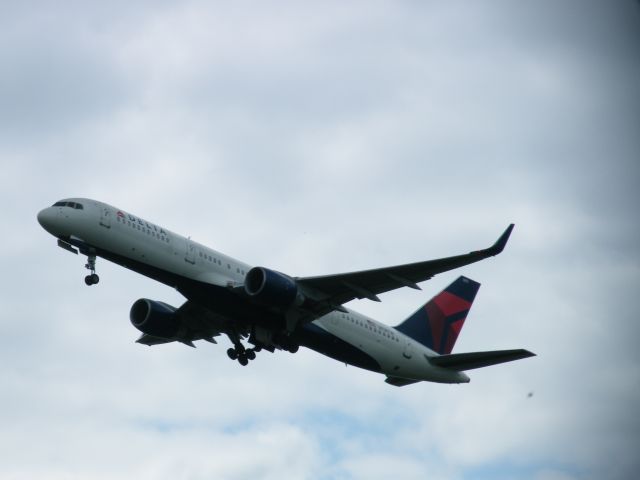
(438, 323)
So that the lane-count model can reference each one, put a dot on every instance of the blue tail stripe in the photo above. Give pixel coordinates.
(416, 327)
(464, 288)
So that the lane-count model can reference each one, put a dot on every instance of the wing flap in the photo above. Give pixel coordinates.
(150, 340)
(469, 361)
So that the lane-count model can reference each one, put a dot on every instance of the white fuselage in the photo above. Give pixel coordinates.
(108, 229)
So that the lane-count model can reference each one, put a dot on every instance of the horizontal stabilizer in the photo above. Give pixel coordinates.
(400, 382)
(469, 361)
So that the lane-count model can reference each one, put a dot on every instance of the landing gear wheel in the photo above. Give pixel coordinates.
(238, 351)
(91, 279)
(233, 355)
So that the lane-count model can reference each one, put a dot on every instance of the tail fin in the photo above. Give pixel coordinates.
(437, 324)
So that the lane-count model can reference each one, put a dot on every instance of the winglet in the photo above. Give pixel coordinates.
(497, 247)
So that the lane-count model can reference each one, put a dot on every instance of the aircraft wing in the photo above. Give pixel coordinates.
(335, 290)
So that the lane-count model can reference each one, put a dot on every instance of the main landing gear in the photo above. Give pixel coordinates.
(243, 355)
(93, 278)
(239, 352)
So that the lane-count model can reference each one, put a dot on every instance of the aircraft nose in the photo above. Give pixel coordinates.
(46, 218)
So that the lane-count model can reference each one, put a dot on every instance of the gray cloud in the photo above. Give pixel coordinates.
(321, 139)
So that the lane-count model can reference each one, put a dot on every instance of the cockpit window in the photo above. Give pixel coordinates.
(77, 206)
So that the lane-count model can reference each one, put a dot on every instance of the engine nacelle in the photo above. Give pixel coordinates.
(272, 288)
(155, 318)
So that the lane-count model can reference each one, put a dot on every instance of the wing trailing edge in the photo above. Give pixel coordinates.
(469, 361)
(150, 340)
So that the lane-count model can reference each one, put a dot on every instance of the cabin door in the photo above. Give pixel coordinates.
(190, 254)
(105, 217)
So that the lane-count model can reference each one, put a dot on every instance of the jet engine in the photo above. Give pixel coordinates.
(155, 318)
(272, 288)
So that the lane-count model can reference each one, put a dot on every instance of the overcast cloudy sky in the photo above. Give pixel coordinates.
(317, 138)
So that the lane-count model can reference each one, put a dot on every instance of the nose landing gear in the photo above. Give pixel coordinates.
(93, 278)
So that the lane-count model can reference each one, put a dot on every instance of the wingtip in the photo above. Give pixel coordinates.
(498, 247)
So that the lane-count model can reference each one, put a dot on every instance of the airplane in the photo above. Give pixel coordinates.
(271, 310)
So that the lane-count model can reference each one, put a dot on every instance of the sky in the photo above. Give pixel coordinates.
(318, 138)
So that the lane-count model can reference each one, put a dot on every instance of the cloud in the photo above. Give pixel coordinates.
(315, 140)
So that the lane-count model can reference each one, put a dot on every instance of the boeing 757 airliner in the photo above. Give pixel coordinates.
(271, 310)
